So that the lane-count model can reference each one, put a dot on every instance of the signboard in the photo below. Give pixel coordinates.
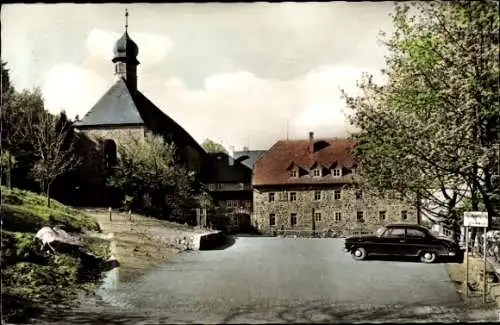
(476, 219)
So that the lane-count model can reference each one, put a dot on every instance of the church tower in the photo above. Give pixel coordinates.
(125, 59)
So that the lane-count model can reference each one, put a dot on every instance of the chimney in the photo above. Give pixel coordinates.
(311, 142)
(231, 155)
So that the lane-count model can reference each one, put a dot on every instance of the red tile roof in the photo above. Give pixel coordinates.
(273, 167)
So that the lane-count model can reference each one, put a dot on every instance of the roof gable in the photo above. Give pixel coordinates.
(115, 107)
(253, 156)
(222, 171)
(272, 168)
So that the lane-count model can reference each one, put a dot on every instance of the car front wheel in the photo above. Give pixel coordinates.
(358, 253)
(427, 257)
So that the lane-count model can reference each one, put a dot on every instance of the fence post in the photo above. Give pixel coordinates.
(484, 266)
(110, 219)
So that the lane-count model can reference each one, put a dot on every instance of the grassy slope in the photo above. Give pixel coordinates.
(33, 280)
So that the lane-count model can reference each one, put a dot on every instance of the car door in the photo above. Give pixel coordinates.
(416, 240)
(391, 242)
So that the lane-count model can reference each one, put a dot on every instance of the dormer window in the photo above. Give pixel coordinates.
(317, 172)
(336, 172)
(293, 173)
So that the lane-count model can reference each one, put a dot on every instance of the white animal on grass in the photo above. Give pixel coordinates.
(47, 235)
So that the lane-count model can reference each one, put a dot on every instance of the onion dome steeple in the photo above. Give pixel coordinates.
(125, 57)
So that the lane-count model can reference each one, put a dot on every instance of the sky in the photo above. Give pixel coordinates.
(242, 74)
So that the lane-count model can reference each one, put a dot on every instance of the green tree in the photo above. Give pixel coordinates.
(152, 182)
(213, 147)
(431, 129)
(19, 113)
(54, 155)
(7, 90)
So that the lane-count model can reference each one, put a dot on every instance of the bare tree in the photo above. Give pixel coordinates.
(53, 159)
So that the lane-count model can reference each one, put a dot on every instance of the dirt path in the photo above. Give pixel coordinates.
(134, 249)
(457, 275)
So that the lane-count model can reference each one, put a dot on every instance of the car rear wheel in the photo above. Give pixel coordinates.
(427, 257)
(358, 253)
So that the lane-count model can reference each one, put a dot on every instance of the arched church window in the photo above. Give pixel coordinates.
(109, 148)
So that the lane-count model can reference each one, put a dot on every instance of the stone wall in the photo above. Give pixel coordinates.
(92, 171)
(305, 205)
(118, 134)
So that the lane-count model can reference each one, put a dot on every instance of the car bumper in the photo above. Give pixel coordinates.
(345, 250)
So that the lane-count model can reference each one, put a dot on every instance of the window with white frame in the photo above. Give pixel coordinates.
(338, 216)
(336, 172)
(293, 219)
(382, 215)
(271, 197)
(293, 173)
(336, 194)
(232, 203)
(317, 195)
(293, 196)
(404, 215)
(359, 194)
(317, 216)
(317, 172)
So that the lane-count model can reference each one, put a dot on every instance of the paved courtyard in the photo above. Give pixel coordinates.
(266, 280)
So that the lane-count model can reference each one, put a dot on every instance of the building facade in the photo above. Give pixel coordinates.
(230, 184)
(306, 187)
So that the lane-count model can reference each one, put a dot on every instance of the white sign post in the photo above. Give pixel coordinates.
(479, 220)
(476, 219)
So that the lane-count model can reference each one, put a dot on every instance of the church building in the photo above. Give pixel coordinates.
(122, 112)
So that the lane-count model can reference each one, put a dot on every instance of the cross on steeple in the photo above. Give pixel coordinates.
(126, 19)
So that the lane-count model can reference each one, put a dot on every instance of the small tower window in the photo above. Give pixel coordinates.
(317, 172)
(120, 68)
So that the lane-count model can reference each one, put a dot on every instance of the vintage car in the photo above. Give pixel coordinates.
(403, 240)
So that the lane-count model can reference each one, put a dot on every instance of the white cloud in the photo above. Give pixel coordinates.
(237, 108)
(72, 88)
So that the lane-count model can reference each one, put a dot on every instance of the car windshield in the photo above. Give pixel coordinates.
(380, 231)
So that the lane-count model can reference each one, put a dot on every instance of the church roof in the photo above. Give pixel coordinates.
(116, 107)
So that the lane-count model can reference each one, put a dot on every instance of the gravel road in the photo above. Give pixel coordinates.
(276, 280)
